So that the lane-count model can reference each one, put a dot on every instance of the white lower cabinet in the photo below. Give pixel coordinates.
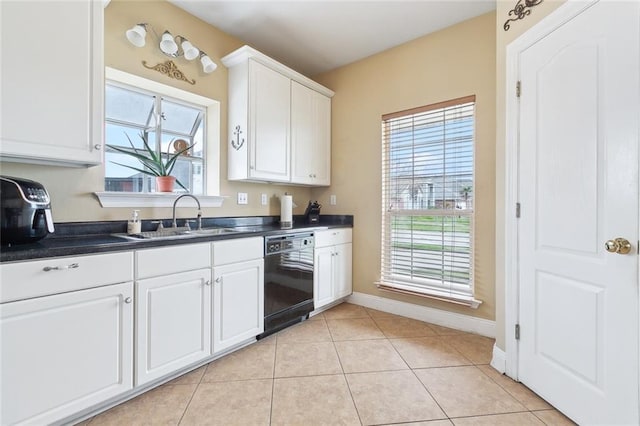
(238, 292)
(343, 270)
(323, 273)
(173, 309)
(332, 266)
(173, 323)
(64, 353)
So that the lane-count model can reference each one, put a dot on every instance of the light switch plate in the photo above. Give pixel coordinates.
(332, 200)
(243, 198)
(264, 199)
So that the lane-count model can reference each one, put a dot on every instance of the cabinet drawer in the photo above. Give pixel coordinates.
(240, 250)
(25, 280)
(169, 260)
(332, 237)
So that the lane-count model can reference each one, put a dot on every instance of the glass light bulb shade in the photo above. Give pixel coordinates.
(208, 65)
(136, 35)
(190, 51)
(168, 44)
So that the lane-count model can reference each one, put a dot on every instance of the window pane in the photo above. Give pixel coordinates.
(128, 106)
(117, 135)
(431, 248)
(178, 118)
(182, 172)
(198, 140)
(172, 143)
(119, 178)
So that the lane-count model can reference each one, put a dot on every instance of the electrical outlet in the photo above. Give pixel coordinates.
(332, 200)
(243, 198)
(264, 199)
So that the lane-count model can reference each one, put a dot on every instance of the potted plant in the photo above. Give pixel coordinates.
(158, 165)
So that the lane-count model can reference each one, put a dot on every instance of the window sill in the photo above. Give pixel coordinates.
(469, 301)
(151, 199)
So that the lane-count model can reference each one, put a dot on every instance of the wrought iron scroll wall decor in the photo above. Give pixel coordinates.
(170, 69)
(237, 144)
(519, 11)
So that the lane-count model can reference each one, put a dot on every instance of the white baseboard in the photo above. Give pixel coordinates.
(468, 323)
(499, 359)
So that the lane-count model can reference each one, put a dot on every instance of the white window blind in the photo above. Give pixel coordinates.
(427, 189)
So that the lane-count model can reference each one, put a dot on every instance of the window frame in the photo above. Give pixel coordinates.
(212, 196)
(159, 131)
(450, 291)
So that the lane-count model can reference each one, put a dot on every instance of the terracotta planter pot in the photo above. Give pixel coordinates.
(165, 183)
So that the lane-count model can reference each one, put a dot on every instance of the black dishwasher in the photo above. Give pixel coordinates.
(288, 280)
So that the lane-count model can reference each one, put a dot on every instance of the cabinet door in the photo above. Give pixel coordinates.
(342, 270)
(323, 277)
(64, 353)
(63, 100)
(173, 323)
(238, 303)
(310, 136)
(269, 124)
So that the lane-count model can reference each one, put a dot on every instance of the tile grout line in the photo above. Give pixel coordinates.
(186, 407)
(344, 376)
(273, 377)
(430, 394)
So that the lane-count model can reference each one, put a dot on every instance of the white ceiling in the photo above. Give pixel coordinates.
(316, 36)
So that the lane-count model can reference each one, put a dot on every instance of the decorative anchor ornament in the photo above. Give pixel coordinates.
(237, 144)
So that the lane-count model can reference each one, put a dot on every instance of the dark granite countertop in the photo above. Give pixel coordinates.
(80, 238)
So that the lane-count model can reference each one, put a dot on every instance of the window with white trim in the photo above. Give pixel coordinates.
(428, 191)
(167, 124)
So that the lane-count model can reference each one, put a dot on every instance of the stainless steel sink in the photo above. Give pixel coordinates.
(175, 233)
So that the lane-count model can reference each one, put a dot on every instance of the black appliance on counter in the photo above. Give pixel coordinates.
(25, 211)
(288, 280)
(312, 214)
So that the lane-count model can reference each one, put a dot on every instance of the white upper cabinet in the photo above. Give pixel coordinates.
(310, 136)
(279, 122)
(269, 124)
(52, 82)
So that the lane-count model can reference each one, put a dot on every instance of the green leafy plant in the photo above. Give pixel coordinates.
(155, 164)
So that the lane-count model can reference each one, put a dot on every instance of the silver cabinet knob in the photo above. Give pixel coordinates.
(97, 147)
(207, 282)
(128, 300)
(218, 279)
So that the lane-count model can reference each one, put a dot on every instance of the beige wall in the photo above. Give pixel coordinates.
(503, 38)
(72, 189)
(451, 63)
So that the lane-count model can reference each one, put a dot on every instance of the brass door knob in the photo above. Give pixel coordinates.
(619, 245)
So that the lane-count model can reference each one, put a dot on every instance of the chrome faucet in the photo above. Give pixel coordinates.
(199, 218)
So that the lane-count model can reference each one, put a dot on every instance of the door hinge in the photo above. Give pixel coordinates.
(517, 331)
(517, 210)
(518, 88)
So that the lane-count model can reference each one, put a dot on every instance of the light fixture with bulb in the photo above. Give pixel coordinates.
(171, 46)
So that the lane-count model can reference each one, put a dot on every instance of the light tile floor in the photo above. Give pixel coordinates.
(348, 366)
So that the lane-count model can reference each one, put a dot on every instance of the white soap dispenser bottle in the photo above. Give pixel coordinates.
(134, 226)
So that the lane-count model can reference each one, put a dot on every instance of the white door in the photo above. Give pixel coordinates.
(173, 323)
(578, 188)
(238, 303)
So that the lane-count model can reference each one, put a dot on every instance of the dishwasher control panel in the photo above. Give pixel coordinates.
(289, 242)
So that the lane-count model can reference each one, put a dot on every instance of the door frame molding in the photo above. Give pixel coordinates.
(547, 25)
